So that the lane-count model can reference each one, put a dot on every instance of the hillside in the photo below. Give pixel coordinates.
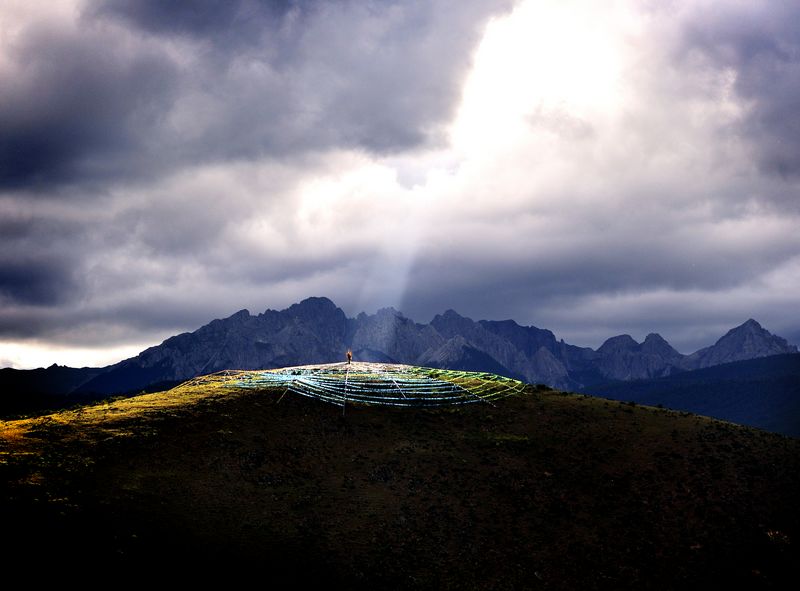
(763, 393)
(539, 490)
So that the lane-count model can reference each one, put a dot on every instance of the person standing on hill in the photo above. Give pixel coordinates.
(349, 356)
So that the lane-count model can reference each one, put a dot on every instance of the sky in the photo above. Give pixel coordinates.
(594, 168)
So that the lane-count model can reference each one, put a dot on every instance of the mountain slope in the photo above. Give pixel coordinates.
(391, 333)
(457, 353)
(762, 392)
(748, 341)
(540, 491)
(309, 332)
(622, 358)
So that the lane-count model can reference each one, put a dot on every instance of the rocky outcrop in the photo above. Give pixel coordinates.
(747, 341)
(397, 337)
(622, 358)
(549, 370)
(307, 332)
(451, 324)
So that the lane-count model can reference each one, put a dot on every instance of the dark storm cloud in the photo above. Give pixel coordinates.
(594, 267)
(105, 110)
(198, 17)
(166, 163)
(39, 258)
(36, 280)
(321, 75)
(234, 21)
(136, 89)
(77, 104)
(760, 43)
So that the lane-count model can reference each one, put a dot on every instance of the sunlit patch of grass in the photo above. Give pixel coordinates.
(114, 418)
(118, 418)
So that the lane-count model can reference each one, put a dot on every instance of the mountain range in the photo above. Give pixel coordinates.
(316, 331)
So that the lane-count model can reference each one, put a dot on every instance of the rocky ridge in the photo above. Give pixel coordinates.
(316, 330)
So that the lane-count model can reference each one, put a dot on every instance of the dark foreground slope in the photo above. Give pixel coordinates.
(541, 491)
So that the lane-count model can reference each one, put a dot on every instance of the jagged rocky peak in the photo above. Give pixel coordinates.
(754, 338)
(317, 331)
(655, 339)
(618, 344)
(390, 332)
(243, 314)
(747, 341)
(239, 316)
(527, 339)
(622, 358)
(389, 312)
(655, 344)
(385, 317)
(449, 315)
(321, 317)
(451, 322)
(316, 311)
(311, 305)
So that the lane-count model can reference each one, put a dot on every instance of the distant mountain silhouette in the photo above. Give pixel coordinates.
(763, 392)
(748, 341)
(317, 331)
(54, 387)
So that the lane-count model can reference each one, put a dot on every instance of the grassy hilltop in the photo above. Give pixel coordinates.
(537, 490)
